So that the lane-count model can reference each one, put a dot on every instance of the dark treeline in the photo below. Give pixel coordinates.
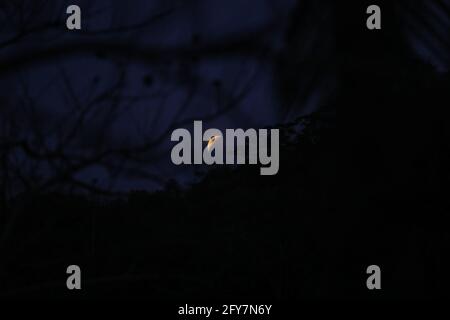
(233, 234)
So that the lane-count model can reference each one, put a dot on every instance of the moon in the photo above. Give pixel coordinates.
(211, 141)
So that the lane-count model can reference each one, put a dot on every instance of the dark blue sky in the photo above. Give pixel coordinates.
(139, 68)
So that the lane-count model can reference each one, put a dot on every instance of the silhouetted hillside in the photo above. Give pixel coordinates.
(234, 234)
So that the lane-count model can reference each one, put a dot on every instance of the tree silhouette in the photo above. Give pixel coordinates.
(229, 232)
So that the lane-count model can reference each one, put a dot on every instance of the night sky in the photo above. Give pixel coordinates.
(173, 61)
(90, 112)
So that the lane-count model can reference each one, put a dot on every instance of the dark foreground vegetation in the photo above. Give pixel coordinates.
(237, 234)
